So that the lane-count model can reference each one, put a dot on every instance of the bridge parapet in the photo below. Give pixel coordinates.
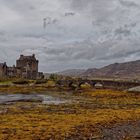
(105, 83)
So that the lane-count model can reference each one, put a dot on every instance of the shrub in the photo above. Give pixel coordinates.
(40, 81)
(21, 82)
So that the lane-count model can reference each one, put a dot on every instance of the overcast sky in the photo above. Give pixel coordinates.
(78, 33)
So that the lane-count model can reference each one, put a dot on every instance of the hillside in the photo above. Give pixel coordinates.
(128, 70)
(72, 72)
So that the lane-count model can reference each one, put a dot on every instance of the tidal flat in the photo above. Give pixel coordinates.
(100, 114)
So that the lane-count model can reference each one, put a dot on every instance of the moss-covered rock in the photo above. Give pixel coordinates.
(51, 83)
(85, 86)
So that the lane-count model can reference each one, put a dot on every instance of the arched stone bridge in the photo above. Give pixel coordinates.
(105, 83)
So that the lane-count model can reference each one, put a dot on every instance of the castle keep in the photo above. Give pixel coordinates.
(26, 67)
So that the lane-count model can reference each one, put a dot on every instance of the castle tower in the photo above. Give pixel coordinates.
(27, 66)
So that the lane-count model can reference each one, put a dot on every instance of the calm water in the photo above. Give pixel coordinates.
(44, 99)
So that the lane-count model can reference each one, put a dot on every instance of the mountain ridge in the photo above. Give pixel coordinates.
(71, 72)
(126, 70)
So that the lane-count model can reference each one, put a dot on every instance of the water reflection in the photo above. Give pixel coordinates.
(44, 99)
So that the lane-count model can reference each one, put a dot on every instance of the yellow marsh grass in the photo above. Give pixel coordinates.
(35, 121)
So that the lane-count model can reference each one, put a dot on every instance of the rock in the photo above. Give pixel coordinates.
(85, 86)
(51, 83)
(134, 89)
(98, 86)
(73, 86)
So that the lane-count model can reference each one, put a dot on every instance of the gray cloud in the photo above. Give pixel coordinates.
(78, 34)
(128, 3)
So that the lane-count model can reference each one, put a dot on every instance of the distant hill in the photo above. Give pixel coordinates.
(72, 72)
(128, 70)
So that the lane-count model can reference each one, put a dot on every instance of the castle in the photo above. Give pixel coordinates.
(26, 67)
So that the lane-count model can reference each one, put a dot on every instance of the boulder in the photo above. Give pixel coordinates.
(85, 86)
(98, 85)
(51, 83)
(134, 89)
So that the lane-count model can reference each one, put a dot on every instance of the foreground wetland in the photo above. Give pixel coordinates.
(37, 113)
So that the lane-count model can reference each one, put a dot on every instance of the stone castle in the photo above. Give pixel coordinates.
(26, 67)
